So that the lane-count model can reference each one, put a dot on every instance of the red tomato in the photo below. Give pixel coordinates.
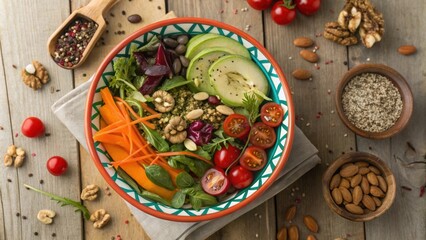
(240, 177)
(225, 156)
(283, 12)
(56, 165)
(262, 135)
(272, 114)
(215, 182)
(32, 127)
(260, 4)
(236, 125)
(308, 7)
(253, 158)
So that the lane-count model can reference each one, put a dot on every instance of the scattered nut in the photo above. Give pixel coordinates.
(310, 223)
(11, 150)
(19, 161)
(100, 218)
(90, 192)
(46, 216)
(8, 160)
(35, 75)
(309, 56)
(190, 145)
(293, 232)
(303, 42)
(290, 213)
(301, 74)
(225, 110)
(282, 233)
(20, 152)
(407, 50)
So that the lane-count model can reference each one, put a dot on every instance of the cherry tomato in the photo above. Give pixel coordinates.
(56, 165)
(236, 125)
(240, 177)
(32, 127)
(308, 7)
(262, 135)
(215, 182)
(253, 158)
(260, 4)
(272, 114)
(283, 12)
(225, 156)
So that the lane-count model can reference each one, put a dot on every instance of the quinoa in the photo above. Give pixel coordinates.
(371, 102)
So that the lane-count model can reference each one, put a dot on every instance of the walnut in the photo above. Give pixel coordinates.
(163, 101)
(175, 131)
(46, 216)
(8, 160)
(100, 218)
(90, 192)
(334, 32)
(19, 161)
(15, 156)
(11, 150)
(35, 75)
(349, 18)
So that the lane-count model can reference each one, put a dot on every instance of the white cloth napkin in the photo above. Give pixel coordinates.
(70, 110)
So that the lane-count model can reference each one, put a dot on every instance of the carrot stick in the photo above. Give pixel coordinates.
(147, 108)
(135, 159)
(189, 154)
(109, 100)
(112, 127)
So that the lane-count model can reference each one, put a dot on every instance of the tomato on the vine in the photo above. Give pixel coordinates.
(260, 4)
(225, 156)
(254, 158)
(262, 135)
(56, 165)
(32, 127)
(236, 126)
(308, 7)
(215, 182)
(240, 177)
(272, 114)
(283, 12)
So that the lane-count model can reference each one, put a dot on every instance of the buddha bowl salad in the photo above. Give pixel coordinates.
(184, 119)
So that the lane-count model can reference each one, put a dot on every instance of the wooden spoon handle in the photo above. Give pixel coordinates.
(97, 8)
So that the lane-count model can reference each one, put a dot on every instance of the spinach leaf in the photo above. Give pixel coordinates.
(154, 197)
(174, 82)
(205, 198)
(195, 202)
(175, 164)
(155, 139)
(198, 198)
(178, 199)
(177, 147)
(159, 176)
(203, 153)
(199, 168)
(129, 180)
(184, 180)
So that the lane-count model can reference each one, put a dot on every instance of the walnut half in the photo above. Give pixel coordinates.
(175, 131)
(90, 192)
(334, 32)
(46, 216)
(35, 75)
(100, 218)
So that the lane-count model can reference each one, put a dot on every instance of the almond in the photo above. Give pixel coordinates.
(337, 196)
(377, 201)
(365, 185)
(349, 170)
(356, 180)
(347, 196)
(357, 195)
(354, 208)
(301, 74)
(382, 183)
(374, 170)
(282, 233)
(377, 192)
(368, 202)
(309, 56)
(407, 49)
(303, 42)
(335, 181)
(363, 170)
(290, 213)
(361, 164)
(310, 223)
(344, 183)
(372, 179)
(293, 232)
(311, 237)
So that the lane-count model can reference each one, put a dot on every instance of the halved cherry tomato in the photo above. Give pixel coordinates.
(225, 156)
(236, 125)
(253, 158)
(240, 177)
(259, 4)
(215, 182)
(271, 114)
(262, 135)
(56, 165)
(32, 127)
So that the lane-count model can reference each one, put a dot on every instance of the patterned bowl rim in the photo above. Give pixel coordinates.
(88, 112)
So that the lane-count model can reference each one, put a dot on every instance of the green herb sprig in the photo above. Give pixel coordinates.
(251, 103)
(220, 140)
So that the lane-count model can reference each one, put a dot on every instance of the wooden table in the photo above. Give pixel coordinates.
(25, 27)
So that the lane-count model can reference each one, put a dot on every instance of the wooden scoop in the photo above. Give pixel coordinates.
(93, 11)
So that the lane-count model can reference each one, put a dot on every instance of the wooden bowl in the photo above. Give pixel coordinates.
(372, 160)
(398, 81)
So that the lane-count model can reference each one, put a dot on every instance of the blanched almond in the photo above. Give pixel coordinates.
(349, 171)
(335, 181)
(194, 114)
(311, 223)
(337, 196)
(372, 179)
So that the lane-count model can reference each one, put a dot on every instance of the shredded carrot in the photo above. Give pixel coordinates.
(109, 129)
(136, 159)
(144, 106)
(189, 154)
(147, 108)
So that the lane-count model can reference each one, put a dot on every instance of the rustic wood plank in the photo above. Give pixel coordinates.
(406, 218)
(315, 113)
(26, 25)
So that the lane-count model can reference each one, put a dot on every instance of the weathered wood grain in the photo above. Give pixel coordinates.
(315, 113)
(406, 218)
(26, 26)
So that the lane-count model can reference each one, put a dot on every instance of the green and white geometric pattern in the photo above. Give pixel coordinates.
(277, 94)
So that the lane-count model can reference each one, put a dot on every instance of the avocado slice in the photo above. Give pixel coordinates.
(219, 41)
(195, 41)
(198, 69)
(233, 75)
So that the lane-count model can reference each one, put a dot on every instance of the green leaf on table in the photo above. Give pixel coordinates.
(178, 199)
(159, 176)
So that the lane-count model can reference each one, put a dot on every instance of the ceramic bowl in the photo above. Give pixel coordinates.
(372, 160)
(397, 80)
(279, 92)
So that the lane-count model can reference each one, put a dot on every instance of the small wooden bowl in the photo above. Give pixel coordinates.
(398, 81)
(372, 160)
